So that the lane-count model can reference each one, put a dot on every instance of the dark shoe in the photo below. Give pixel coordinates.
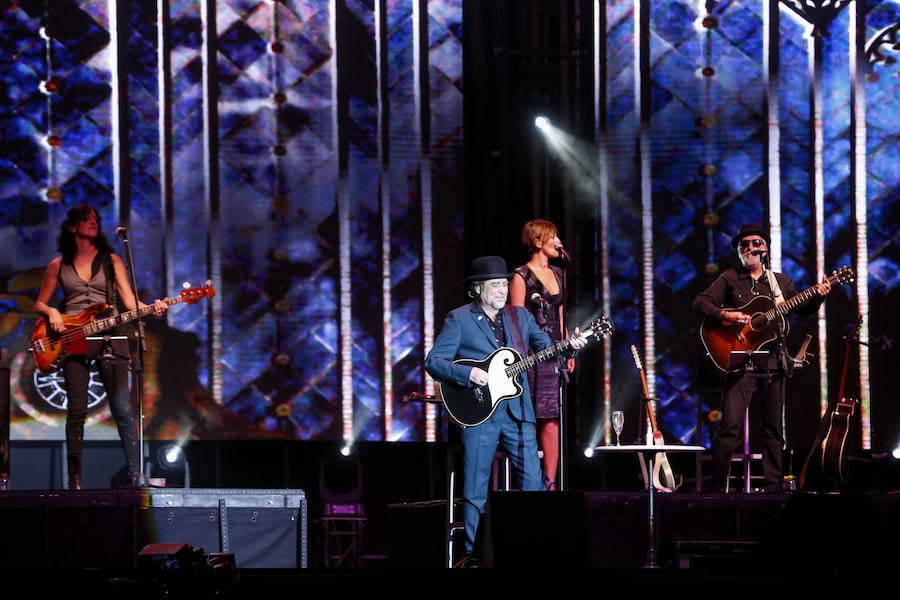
(139, 481)
(467, 562)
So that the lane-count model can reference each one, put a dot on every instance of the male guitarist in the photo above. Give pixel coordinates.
(731, 307)
(471, 333)
(88, 273)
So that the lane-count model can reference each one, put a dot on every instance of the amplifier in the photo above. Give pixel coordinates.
(262, 528)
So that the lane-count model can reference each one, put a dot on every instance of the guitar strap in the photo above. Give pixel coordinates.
(110, 273)
(776, 289)
(515, 331)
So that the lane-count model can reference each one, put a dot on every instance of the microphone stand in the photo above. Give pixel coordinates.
(561, 400)
(137, 364)
(783, 362)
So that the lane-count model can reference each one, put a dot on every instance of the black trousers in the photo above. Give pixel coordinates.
(114, 375)
(738, 391)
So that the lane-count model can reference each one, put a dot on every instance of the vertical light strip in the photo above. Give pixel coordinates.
(818, 191)
(211, 186)
(381, 77)
(164, 132)
(642, 46)
(344, 269)
(858, 123)
(420, 42)
(601, 432)
(606, 300)
(115, 116)
(771, 76)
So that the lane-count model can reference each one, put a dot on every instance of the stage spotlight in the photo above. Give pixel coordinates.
(542, 123)
(347, 449)
(169, 466)
(588, 452)
(170, 458)
(895, 451)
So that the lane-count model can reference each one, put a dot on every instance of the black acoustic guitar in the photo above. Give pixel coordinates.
(470, 406)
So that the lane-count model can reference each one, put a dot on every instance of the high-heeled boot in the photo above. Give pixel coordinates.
(130, 445)
(74, 448)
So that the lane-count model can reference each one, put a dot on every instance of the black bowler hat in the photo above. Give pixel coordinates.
(750, 229)
(488, 267)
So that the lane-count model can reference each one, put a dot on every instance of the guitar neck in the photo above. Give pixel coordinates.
(800, 299)
(100, 325)
(539, 357)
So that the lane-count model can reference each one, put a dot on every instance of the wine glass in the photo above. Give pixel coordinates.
(618, 422)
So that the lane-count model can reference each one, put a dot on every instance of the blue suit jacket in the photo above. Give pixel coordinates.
(466, 333)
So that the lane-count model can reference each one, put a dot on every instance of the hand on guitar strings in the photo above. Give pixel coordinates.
(734, 316)
(478, 376)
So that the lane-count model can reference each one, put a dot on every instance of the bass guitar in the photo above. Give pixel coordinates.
(663, 478)
(51, 348)
(471, 406)
(721, 338)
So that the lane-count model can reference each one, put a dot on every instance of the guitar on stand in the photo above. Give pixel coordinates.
(663, 478)
(832, 453)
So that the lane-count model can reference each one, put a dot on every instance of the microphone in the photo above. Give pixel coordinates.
(537, 299)
(563, 253)
(122, 232)
(757, 252)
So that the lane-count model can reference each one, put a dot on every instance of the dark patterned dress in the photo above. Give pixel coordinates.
(544, 377)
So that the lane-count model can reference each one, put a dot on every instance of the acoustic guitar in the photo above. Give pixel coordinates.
(51, 348)
(832, 453)
(840, 422)
(663, 478)
(721, 338)
(471, 406)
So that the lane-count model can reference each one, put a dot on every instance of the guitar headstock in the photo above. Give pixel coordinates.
(853, 334)
(637, 358)
(193, 295)
(843, 275)
(601, 327)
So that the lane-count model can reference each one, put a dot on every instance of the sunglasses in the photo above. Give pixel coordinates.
(744, 244)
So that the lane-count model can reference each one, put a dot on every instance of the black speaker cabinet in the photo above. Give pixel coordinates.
(262, 528)
(538, 529)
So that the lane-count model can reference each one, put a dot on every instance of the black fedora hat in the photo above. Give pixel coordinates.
(488, 267)
(750, 229)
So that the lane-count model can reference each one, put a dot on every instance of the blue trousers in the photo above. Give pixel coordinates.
(480, 443)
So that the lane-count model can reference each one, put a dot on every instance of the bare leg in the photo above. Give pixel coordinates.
(549, 436)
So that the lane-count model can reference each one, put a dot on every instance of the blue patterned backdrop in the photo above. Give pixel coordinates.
(307, 158)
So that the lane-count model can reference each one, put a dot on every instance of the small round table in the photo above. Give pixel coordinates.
(649, 453)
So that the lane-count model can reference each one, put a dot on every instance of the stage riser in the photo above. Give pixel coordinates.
(107, 529)
(733, 533)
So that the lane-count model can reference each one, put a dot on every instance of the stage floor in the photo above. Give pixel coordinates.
(271, 535)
